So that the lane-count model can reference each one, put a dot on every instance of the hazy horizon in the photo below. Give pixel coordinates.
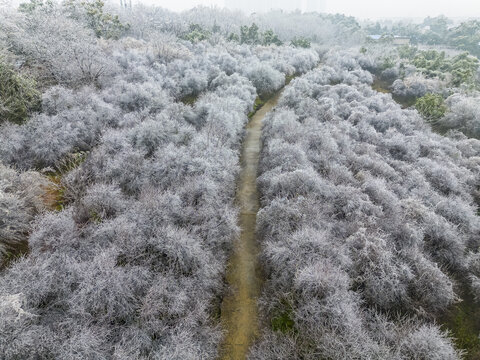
(369, 9)
(365, 10)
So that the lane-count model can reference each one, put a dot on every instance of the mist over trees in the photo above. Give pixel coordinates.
(120, 137)
(463, 114)
(434, 81)
(439, 31)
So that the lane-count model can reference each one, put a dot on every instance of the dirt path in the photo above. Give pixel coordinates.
(239, 308)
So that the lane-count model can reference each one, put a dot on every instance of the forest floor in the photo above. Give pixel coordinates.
(462, 319)
(239, 312)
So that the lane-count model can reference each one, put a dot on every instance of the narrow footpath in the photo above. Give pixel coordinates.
(239, 308)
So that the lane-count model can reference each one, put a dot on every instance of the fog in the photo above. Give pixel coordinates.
(406, 8)
(372, 9)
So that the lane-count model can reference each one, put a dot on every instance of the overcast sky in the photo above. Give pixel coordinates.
(405, 8)
(362, 8)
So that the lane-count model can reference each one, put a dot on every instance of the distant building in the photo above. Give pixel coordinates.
(374, 37)
(251, 6)
(401, 40)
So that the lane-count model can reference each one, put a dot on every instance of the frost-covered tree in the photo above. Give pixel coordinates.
(365, 213)
(265, 79)
(21, 198)
(463, 114)
(64, 49)
(134, 261)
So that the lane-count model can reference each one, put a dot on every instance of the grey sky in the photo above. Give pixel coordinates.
(362, 9)
(406, 8)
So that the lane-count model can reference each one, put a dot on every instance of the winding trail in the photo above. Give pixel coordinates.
(239, 314)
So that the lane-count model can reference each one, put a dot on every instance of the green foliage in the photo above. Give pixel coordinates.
(407, 52)
(18, 94)
(55, 193)
(289, 78)
(259, 102)
(196, 33)
(189, 99)
(466, 36)
(104, 25)
(300, 42)
(233, 37)
(56, 198)
(283, 321)
(249, 35)
(431, 106)
(269, 37)
(95, 217)
(438, 25)
(463, 68)
(10, 255)
(462, 321)
(387, 63)
(32, 5)
(349, 23)
(72, 161)
(431, 63)
(465, 337)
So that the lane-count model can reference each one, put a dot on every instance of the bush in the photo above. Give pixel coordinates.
(196, 33)
(21, 198)
(269, 38)
(463, 114)
(427, 342)
(431, 106)
(134, 263)
(365, 213)
(300, 42)
(103, 24)
(414, 87)
(249, 35)
(18, 95)
(265, 79)
(64, 51)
